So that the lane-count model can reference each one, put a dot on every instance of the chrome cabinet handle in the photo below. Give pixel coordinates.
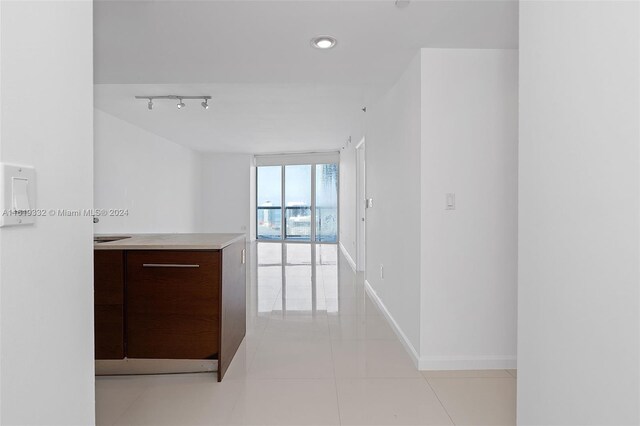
(243, 258)
(168, 265)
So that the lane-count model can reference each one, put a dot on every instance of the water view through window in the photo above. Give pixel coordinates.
(297, 202)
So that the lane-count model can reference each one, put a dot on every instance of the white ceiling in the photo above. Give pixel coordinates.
(272, 92)
(250, 118)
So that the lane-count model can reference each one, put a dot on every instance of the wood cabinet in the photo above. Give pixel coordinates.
(109, 304)
(171, 304)
(233, 304)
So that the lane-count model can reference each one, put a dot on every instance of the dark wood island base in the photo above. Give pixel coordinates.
(169, 303)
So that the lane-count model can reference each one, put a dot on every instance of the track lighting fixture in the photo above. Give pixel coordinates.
(179, 98)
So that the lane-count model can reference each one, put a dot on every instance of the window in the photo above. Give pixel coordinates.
(297, 202)
(297, 198)
(326, 203)
(269, 212)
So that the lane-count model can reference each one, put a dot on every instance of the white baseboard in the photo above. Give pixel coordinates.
(440, 363)
(394, 325)
(347, 256)
(467, 363)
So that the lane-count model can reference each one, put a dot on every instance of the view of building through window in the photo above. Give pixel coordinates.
(305, 208)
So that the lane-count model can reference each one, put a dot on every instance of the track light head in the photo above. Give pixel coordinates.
(180, 98)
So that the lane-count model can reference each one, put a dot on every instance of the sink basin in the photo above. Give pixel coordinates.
(109, 238)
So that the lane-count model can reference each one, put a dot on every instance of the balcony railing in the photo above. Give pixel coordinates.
(297, 223)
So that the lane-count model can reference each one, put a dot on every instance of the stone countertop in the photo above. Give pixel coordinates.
(168, 241)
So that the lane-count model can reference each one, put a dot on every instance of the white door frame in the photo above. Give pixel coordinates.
(361, 215)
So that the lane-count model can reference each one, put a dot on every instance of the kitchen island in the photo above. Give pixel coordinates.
(167, 303)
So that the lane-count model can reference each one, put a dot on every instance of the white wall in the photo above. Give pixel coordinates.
(450, 277)
(226, 194)
(158, 181)
(579, 221)
(469, 255)
(348, 186)
(393, 181)
(46, 276)
(348, 200)
(167, 187)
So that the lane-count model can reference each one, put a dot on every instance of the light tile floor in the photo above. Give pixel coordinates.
(317, 352)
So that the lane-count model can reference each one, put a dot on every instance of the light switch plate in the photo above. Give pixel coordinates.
(17, 208)
(450, 201)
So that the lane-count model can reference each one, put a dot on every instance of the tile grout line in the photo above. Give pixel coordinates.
(333, 363)
(246, 373)
(470, 378)
(263, 329)
(237, 400)
(438, 398)
(130, 405)
(253, 355)
(335, 379)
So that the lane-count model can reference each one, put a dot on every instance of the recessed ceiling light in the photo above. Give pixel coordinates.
(401, 4)
(323, 42)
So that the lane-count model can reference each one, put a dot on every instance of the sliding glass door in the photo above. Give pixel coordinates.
(326, 207)
(297, 202)
(269, 202)
(297, 199)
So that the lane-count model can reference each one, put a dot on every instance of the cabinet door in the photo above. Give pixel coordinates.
(108, 285)
(173, 304)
